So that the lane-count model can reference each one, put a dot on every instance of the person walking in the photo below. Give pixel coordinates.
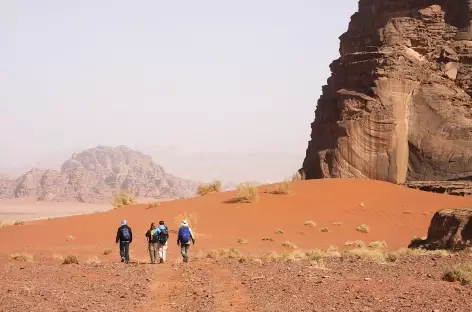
(124, 236)
(152, 243)
(184, 238)
(162, 238)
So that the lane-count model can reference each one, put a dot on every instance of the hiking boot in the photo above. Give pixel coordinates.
(122, 259)
(161, 261)
(185, 259)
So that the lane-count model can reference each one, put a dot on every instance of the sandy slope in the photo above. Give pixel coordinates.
(393, 213)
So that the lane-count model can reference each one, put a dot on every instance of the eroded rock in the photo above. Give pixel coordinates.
(397, 106)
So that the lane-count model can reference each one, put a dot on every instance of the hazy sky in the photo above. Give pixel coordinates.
(207, 75)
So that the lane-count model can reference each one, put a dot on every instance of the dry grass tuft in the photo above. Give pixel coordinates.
(310, 223)
(204, 189)
(282, 188)
(290, 245)
(363, 228)
(298, 176)
(242, 241)
(107, 251)
(231, 253)
(374, 256)
(324, 230)
(19, 222)
(154, 205)
(246, 193)
(377, 244)
(279, 231)
(71, 259)
(123, 198)
(337, 223)
(459, 273)
(357, 243)
(22, 256)
(270, 239)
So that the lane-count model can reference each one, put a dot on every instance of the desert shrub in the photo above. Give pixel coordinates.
(242, 241)
(290, 245)
(22, 256)
(293, 256)
(357, 243)
(377, 244)
(268, 239)
(107, 251)
(154, 205)
(246, 193)
(71, 259)
(204, 189)
(19, 222)
(459, 273)
(310, 223)
(391, 256)
(298, 176)
(316, 254)
(282, 188)
(363, 228)
(123, 198)
(324, 230)
(279, 231)
(374, 256)
(271, 256)
(337, 223)
(231, 253)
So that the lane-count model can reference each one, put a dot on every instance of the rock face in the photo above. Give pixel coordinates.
(449, 229)
(398, 106)
(95, 175)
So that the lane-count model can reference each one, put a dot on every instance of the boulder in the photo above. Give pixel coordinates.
(449, 229)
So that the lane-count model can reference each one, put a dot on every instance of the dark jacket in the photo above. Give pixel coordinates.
(119, 234)
(150, 237)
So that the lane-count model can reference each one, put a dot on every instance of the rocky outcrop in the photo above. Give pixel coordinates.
(95, 175)
(458, 188)
(397, 106)
(449, 229)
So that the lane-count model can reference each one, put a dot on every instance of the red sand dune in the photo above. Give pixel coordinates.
(394, 213)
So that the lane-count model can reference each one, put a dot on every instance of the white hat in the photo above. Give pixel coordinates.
(184, 223)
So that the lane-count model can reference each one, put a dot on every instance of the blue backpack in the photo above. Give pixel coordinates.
(184, 235)
(125, 234)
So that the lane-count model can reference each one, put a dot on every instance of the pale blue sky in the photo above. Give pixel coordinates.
(207, 75)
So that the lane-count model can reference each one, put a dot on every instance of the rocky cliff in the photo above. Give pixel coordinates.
(398, 106)
(95, 175)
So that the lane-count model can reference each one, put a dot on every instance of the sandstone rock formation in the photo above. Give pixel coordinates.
(449, 229)
(95, 175)
(398, 106)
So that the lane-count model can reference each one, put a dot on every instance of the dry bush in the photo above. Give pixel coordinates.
(271, 256)
(296, 255)
(374, 256)
(204, 189)
(107, 251)
(324, 230)
(242, 241)
(123, 198)
(363, 228)
(93, 260)
(298, 176)
(71, 259)
(268, 239)
(316, 254)
(282, 188)
(19, 222)
(231, 253)
(407, 212)
(337, 223)
(154, 205)
(310, 223)
(246, 193)
(459, 273)
(290, 245)
(377, 244)
(22, 256)
(279, 231)
(357, 243)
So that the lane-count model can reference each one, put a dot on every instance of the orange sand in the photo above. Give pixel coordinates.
(393, 213)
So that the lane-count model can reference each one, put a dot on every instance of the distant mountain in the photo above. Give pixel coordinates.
(95, 175)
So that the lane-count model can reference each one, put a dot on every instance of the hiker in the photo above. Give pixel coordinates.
(184, 238)
(162, 234)
(125, 237)
(152, 243)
